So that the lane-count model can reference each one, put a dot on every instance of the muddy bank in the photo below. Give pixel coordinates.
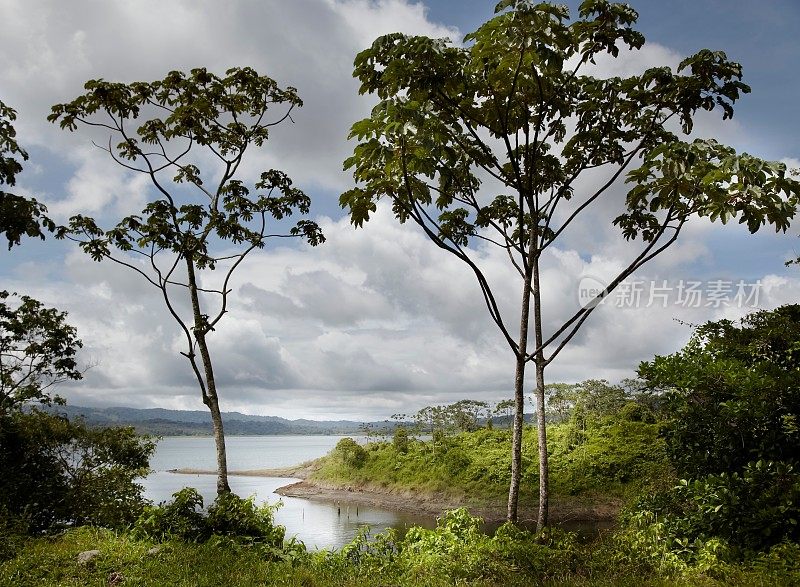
(562, 510)
(301, 471)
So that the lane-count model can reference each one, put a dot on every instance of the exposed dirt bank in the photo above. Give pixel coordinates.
(301, 471)
(561, 509)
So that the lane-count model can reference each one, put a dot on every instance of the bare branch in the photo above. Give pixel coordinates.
(581, 315)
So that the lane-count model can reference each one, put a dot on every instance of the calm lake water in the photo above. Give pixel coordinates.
(319, 525)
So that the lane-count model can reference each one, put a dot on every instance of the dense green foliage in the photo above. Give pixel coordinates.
(593, 453)
(732, 400)
(228, 517)
(456, 552)
(751, 510)
(37, 351)
(58, 473)
(19, 216)
(733, 393)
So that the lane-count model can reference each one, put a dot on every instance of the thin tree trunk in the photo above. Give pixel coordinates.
(541, 424)
(519, 405)
(544, 469)
(212, 402)
(209, 390)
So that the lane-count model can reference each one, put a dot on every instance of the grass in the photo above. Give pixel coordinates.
(602, 457)
(607, 458)
(53, 562)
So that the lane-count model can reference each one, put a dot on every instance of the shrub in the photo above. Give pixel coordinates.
(737, 513)
(229, 516)
(350, 453)
(244, 521)
(400, 439)
(455, 461)
(457, 552)
(60, 473)
(180, 518)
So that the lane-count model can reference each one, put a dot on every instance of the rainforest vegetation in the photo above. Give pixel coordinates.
(695, 461)
(694, 507)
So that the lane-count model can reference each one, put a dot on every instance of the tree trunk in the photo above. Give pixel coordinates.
(209, 390)
(541, 424)
(212, 401)
(544, 469)
(519, 405)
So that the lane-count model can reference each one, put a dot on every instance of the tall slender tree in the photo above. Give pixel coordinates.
(490, 144)
(200, 220)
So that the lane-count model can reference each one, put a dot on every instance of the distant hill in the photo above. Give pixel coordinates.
(163, 422)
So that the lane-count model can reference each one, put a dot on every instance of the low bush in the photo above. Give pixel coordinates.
(400, 440)
(180, 518)
(349, 452)
(734, 514)
(244, 521)
(229, 516)
(59, 473)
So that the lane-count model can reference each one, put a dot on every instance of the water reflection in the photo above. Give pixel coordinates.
(317, 524)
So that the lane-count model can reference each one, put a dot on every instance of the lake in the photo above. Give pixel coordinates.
(317, 524)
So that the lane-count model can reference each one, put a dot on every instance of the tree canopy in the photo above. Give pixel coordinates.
(37, 351)
(733, 393)
(189, 134)
(506, 140)
(19, 216)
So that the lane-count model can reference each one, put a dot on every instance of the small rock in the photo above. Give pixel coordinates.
(154, 550)
(87, 555)
(115, 578)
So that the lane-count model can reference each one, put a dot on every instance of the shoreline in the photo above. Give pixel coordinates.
(562, 509)
(301, 471)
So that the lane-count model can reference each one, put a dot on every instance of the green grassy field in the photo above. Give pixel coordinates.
(437, 559)
(612, 459)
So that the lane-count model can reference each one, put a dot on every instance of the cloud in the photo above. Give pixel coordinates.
(792, 165)
(50, 49)
(373, 322)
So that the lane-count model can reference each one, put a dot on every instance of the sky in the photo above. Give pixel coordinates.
(376, 321)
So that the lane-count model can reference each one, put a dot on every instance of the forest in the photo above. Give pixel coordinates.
(490, 149)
